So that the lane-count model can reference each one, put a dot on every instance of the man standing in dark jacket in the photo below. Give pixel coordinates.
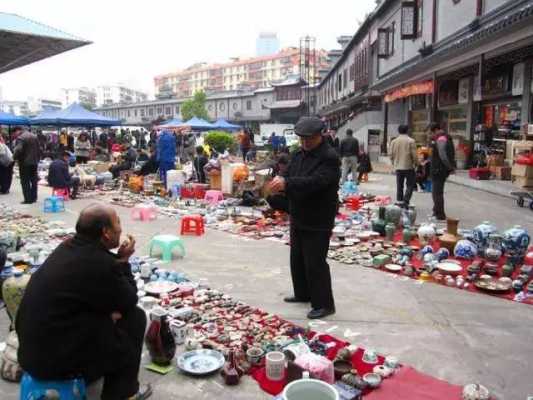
(349, 150)
(78, 316)
(310, 186)
(442, 165)
(28, 154)
(59, 177)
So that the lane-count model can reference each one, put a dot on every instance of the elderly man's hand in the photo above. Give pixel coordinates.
(126, 249)
(277, 185)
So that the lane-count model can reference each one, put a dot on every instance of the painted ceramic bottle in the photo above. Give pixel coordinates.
(450, 238)
(378, 225)
(12, 292)
(159, 339)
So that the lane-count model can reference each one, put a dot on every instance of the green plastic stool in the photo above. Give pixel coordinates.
(167, 244)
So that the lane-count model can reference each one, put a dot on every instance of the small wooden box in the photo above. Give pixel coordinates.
(522, 182)
(523, 171)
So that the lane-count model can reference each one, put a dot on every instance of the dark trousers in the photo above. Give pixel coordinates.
(121, 370)
(407, 177)
(28, 180)
(73, 186)
(311, 278)
(438, 196)
(164, 167)
(82, 159)
(6, 176)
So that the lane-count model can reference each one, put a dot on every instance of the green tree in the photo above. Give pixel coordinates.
(194, 107)
(220, 141)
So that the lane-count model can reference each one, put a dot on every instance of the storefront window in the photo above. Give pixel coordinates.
(504, 119)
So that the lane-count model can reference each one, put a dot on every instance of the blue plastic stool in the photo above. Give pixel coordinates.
(428, 186)
(166, 243)
(32, 389)
(54, 204)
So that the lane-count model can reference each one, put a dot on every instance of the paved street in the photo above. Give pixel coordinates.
(453, 335)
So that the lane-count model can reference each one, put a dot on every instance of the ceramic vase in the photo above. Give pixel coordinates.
(378, 225)
(229, 372)
(159, 339)
(390, 228)
(450, 238)
(426, 233)
(481, 235)
(465, 249)
(12, 292)
(516, 241)
(494, 250)
(393, 214)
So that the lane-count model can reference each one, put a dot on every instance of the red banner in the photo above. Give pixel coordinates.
(410, 90)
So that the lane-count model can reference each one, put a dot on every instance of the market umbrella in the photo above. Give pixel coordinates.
(173, 123)
(224, 125)
(73, 115)
(11, 119)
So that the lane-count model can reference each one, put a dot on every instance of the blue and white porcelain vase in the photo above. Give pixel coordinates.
(515, 241)
(465, 249)
(481, 235)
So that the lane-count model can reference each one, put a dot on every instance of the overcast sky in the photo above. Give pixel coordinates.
(134, 40)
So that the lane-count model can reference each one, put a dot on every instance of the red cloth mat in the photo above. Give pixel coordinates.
(409, 384)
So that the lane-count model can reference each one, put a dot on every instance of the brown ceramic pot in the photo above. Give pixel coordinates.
(450, 238)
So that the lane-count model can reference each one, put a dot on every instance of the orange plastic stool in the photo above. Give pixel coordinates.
(61, 192)
(192, 224)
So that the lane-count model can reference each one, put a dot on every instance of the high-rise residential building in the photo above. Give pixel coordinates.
(267, 43)
(83, 95)
(245, 74)
(38, 105)
(118, 94)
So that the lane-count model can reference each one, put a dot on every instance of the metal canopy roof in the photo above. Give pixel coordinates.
(23, 41)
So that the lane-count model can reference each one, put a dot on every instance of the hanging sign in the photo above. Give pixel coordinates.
(410, 90)
(464, 91)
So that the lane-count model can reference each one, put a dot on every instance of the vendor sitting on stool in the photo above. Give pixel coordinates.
(60, 178)
(127, 161)
(79, 314)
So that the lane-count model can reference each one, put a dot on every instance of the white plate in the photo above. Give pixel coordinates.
(160, 287)
(450, 267)
(393, 267)
(200, 362)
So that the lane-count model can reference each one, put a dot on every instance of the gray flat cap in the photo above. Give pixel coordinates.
(309, 126)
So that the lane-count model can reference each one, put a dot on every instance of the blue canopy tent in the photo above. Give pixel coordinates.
(172, 123)
(224, 125)
(10, 119)
(73, 115)
(199, 124)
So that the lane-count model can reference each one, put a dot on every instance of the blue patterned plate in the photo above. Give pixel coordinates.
(200, 362)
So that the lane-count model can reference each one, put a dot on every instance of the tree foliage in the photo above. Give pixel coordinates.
(220, 141)
(194, 107)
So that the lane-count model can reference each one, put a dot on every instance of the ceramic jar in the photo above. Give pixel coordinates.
(390, 228)
(516, 241)
(378, 224)
(393, 214)
(426, 233)
(507, 270)
(450, 238)
(494, 250)
(159, 339)
(465, 249)
(481, 235)
(12, 292)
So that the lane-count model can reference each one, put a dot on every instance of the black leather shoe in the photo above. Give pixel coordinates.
(145, 391)
(320, 313)
(292, 299)
(25, 202)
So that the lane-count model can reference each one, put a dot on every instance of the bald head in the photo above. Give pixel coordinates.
(94, 220)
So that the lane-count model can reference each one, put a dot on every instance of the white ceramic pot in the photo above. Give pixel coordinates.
(426, 233)
(310, 389)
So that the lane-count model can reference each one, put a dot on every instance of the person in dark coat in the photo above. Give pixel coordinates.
(6, 166)
(60, 178)
(364, 167)
(28, 153)
(79, 316)
(310, 186)
(199, 163)
(442, 165)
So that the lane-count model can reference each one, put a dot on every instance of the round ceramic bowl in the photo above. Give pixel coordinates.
(372, 379)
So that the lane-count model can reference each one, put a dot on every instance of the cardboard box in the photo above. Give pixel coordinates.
(495, 160)
(501, 173)
(523, 171)
(522, 182)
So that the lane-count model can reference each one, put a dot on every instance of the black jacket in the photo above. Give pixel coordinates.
(64, 320)
(442, 156)
(27, 150)
(349, 147)
(312, 182)
(58, 175)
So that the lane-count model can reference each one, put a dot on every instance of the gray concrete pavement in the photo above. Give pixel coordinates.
(450, 334)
